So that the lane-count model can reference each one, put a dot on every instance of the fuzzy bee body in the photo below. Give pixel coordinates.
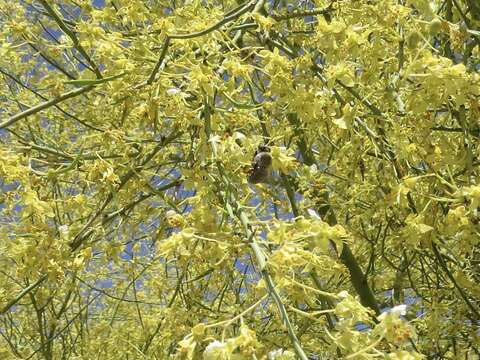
(262, 166)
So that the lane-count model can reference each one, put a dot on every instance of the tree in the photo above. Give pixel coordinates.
(129, 228)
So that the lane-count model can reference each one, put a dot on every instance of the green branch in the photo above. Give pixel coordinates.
(234, 15)
(297, 14)
(45, 105)
(24, 292)
(233, 206)
(72, 36)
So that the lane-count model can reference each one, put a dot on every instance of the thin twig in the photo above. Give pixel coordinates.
(22, 294)
(297, 14)
(241, 10)
(160, 60)
(45, 105)
(72, 36)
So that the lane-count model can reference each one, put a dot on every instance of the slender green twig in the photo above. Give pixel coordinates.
(72, 36)
(87, 229)
(45, 105)
(241, 10)
(70, 322)
(297, 14)
(232, 15)
(19, 82)
(447, 271)
(259, 254)
(24, 292)
(160, 60)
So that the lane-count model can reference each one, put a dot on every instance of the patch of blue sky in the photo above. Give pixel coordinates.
(25, 58)
(265, 216)
(51, 33)
(86, 290)
(210, 296)
(184, 193)
(226, 76)
(385, 309)
(31, 12)
(72, 13)
(187, 208)
(147, 249)
(299, 197)
(153, 224)
(242, 290)
(159, 180)
(285, 216)
(45, 63)
(266, 84)
(35, 70)
(242, 264)
(255, 200)
(104, 284)
(289, 6)
(98, 4)
(421, 312)
(411, 300)
(17, 208)
(9, 187)
(156, 204)
(81, 66)
(362, 327)
(74, 137)
(388, 293)
(139, 281)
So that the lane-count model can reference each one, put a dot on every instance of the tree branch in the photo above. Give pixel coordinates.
(45, 105)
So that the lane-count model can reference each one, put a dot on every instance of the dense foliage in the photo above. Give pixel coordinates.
(129, 229)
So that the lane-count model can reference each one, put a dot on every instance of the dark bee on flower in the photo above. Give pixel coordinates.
(261, 166)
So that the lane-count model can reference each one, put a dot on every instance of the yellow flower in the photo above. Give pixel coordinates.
(282, 159)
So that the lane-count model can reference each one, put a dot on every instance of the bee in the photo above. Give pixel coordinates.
(261, 166)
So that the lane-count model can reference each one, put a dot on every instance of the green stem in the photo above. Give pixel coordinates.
(45, 105)
(259, 254)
